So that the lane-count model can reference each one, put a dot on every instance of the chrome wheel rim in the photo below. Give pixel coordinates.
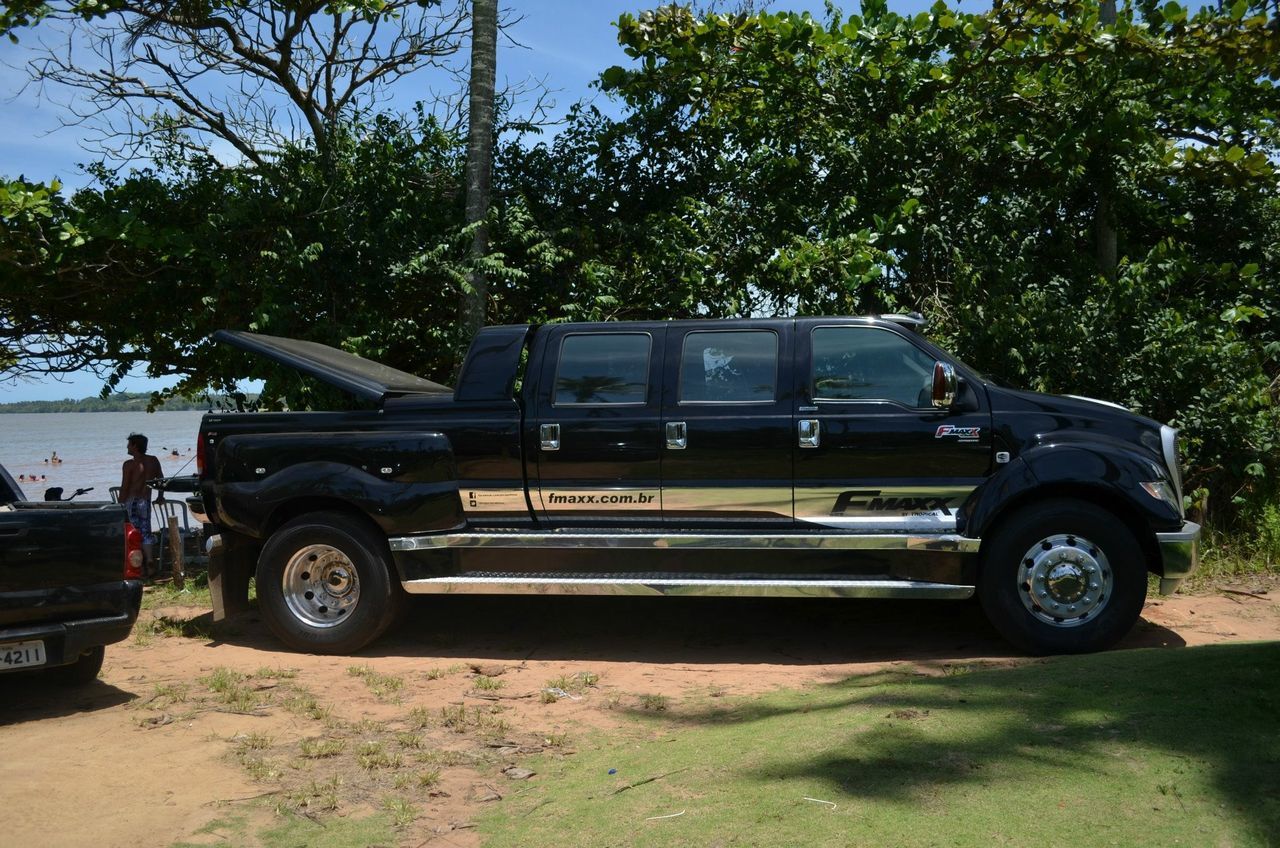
(320, 586)
(1065, 580)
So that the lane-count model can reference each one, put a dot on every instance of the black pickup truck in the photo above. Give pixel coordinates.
(70, 583)
(810, 457)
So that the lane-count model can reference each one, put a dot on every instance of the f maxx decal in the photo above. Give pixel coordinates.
(963, 434)
(870, 500)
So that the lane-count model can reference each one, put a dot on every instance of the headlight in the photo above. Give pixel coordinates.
(1162, 491)
(1169, 446)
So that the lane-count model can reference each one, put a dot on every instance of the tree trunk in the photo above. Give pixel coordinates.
(1104, 229)
(479, 170)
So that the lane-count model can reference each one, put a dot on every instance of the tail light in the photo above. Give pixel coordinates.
(200, 455)
(132, 552)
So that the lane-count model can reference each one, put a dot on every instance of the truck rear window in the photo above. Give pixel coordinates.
(603, 368)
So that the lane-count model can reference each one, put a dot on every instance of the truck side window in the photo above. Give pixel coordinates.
(730, 366)
(869, 363)
(603, 368)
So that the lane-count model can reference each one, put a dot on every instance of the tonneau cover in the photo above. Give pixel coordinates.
(364, 378)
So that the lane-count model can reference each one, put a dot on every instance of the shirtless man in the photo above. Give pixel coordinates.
(136, 497)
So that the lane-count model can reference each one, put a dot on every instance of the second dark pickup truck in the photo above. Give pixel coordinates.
(809, 457)
(70, 583)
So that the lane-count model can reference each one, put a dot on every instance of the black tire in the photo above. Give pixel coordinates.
(81, 672)
(1062, 576)
(326, 583)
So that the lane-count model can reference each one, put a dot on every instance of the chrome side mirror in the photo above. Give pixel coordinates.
(944, 385)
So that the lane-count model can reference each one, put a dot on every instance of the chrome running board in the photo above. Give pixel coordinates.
(762, 586)
(630, 540)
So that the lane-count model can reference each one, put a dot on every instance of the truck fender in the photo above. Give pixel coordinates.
(404, 482)
(1097, 471)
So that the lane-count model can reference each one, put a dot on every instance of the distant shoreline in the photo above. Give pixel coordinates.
(123, 402)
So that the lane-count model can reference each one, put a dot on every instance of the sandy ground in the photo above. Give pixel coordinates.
(184, 733)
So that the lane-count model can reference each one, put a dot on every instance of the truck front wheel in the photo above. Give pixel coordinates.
(325, 584)
(1062, 577)
(83, 671)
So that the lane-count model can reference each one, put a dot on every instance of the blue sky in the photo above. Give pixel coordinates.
(567, 43)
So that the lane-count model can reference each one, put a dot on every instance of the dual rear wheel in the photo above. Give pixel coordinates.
(326, 584)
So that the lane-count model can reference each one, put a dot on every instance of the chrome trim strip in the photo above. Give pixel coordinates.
(676, 584)
(691, 541)
(1180, 553)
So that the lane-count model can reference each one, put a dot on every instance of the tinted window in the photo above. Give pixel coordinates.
(867, 363)
(603, 368)
(729, 366)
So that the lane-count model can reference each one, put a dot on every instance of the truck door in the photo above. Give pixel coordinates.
(727, 420)
(596, 427)
(871, 451)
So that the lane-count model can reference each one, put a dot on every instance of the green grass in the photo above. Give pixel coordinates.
(1149, 747)
(195, 593)
(293, 829)
(231, 691)
(383, 686)
(318, 749)
(1228, 558)
(299, 832)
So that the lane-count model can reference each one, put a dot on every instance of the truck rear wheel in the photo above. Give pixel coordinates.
(325, 584)
(1062, 577)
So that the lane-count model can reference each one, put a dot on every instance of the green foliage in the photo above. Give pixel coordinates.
(364, 253)
(1268, 524)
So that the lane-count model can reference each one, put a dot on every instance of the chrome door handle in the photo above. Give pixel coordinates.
(677, 435)
(549, 434)
(810, 432)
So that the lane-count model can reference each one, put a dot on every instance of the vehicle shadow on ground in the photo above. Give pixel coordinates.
(31, 696)
(687, 630)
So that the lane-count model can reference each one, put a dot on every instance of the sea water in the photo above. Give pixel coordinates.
(92, 447)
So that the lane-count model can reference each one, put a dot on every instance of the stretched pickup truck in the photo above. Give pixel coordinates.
(70, 583)
(809, 457)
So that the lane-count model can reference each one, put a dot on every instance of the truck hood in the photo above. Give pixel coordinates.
(364, 378)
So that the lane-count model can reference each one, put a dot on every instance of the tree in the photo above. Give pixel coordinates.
(484, 60)
(253, 75)
(360, 248)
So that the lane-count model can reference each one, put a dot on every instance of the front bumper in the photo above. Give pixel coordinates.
(1180, 555)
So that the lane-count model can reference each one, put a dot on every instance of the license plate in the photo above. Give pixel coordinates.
(22, 654)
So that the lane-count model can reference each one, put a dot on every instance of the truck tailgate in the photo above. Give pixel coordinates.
(60, 561)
